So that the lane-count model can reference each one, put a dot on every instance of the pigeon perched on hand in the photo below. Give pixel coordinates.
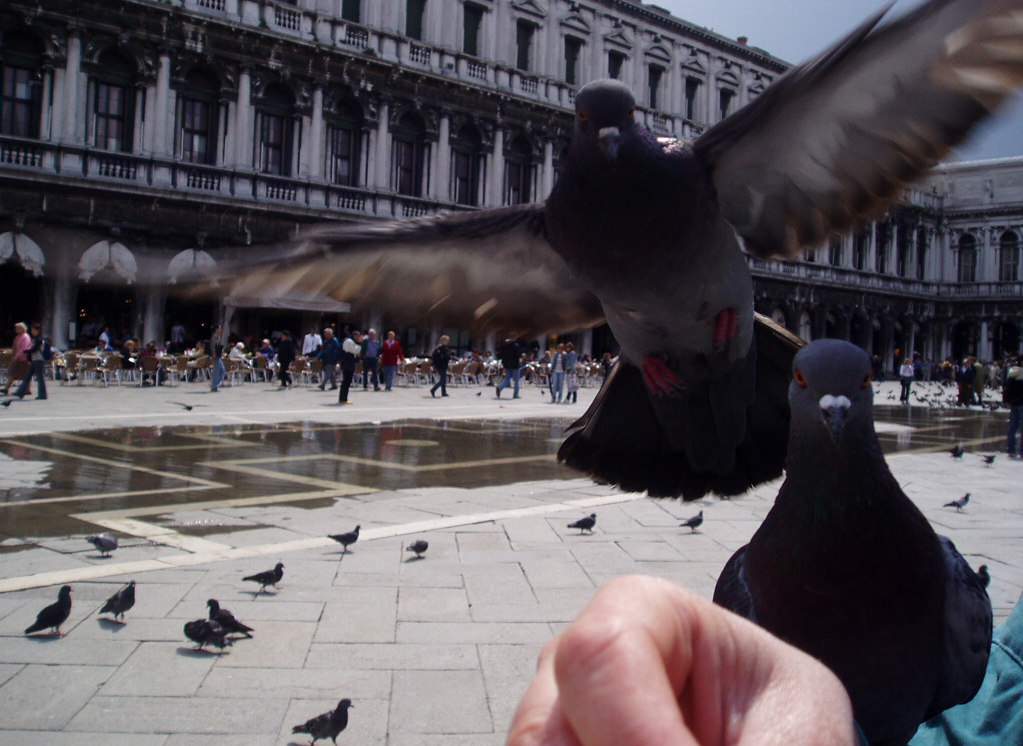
(120, 602)
(327, 725)
(205, 632)
(648, 236)
(53, 615)
(958, 504)
(346, 539)
(693, 523)
(105, 543)
(585, 524)
(267, 577)
(419, 546)
(848, 569)
(226, 619)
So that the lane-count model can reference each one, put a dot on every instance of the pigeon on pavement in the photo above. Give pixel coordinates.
(120, 602)
(960, 503)
(105, 543)
(205, 632)
(419, 546)
(53, 615)
(693, 523)
(989, 459)
(267, 577)
(647, 235)
(226, 619)
(328, 724)
(585, 524)
(347, 538)
(957, 450)
(848, 569)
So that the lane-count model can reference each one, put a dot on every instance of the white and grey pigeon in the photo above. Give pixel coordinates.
(847, 568)
(649, 236)
(105, 543)
(693, 522)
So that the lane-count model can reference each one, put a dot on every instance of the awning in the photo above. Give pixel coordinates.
(106, 255)
(321, 303)
(190, 264)
(23, 247)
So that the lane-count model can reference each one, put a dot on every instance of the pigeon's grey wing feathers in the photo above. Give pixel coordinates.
(731, 590)
(487, 269)
(834, 139)
(968, 624)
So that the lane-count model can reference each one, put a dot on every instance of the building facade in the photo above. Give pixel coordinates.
(143, 141)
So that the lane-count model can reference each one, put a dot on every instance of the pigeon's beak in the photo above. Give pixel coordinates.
(834, 410)
(609, 140)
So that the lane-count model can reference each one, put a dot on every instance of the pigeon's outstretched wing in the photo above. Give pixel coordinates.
(967, 631)
(837, 137)
(488, 269)
(731, 590)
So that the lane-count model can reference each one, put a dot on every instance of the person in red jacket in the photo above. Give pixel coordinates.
(390, 356)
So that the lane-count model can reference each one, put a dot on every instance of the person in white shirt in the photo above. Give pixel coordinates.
(311, 343)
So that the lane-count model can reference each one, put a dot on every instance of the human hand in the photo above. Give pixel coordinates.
(649, 663)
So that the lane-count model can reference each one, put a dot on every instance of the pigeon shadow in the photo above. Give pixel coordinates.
(414, 559)
(110, 624)
(257, 594)
(197, 652)
(48, 637)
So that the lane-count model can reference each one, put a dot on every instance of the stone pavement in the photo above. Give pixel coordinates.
(431, 651)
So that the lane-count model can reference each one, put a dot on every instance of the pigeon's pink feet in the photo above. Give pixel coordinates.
(724, 327)
(660, 379)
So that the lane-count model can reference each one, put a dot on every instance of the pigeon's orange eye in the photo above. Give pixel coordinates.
(800, 378)
(867, 379)
(581, 114)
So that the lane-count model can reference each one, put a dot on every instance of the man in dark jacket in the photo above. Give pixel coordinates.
(285, 357)
(330, 353)
(511, 358)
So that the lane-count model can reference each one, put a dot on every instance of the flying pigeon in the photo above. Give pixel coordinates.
(327, 725)
(959, 504)
(267, 577)
(957, 450)
(848, 569)
(585, 524)
(120, 602)
(693, 523)
(647, 235)
(53, 615)
(205, 632)
(226, 619)
(418, 546)
(105, 543)
(349, 537)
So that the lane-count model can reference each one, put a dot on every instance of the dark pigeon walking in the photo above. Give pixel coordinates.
(693, 523)
(267, 577)
(960, 503)
(585, 524)
(120, 602)
(327, 725)
(957, 450)
(205, 632)
(105, 543)
(53, 615)
(989, 459)
(346, 539)
(226, 619)
(419, 546)
(847, 568)
(647, 235)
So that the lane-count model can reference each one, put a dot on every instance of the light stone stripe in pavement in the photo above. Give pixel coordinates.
(432, 651)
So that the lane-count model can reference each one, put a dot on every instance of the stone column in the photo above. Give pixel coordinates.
(383, 161)
(314, 164)
(497, 172)
(243, 121)
(153, 328)
(71, 92)
(442, 165)
(160, 147)
(547, 176)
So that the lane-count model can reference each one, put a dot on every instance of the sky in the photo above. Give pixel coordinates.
(794, 30)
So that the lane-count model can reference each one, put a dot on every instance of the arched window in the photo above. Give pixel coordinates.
(1008, 257)
(113, 103)
(518, 172)
(466, 162)
(409, 155)
(21, 61)
(967, 259)
(344, 138)
(861, 244)
(197, 134)
(275, 130)
(835, 251)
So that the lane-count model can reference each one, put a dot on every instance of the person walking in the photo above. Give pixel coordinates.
(19, 361)
(38, 355)
(571, 374)
(330, 353)
(906, 379)
(286, 352)
(558, 367)
(390, 356)
(1012, 395)
(370, 360)
(440, 357)
(511, 359)
(217, 353)
(351, 348)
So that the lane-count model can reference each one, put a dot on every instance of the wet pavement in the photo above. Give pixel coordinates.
(251, 476)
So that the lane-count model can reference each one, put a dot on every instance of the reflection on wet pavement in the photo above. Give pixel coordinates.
(65, 484)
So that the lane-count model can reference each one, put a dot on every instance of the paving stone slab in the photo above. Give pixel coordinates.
(56, 738)
(392, 656)
(357, 623)
(220, 715)
(447, 702)
(280, 644)
(45, 697)
(160, 669)
(471, 632)
(433, 605)
(64, 651)
(295, 683)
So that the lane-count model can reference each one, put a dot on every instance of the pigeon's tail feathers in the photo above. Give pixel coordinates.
(622, 441)
(731, 590)
(37, 626)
